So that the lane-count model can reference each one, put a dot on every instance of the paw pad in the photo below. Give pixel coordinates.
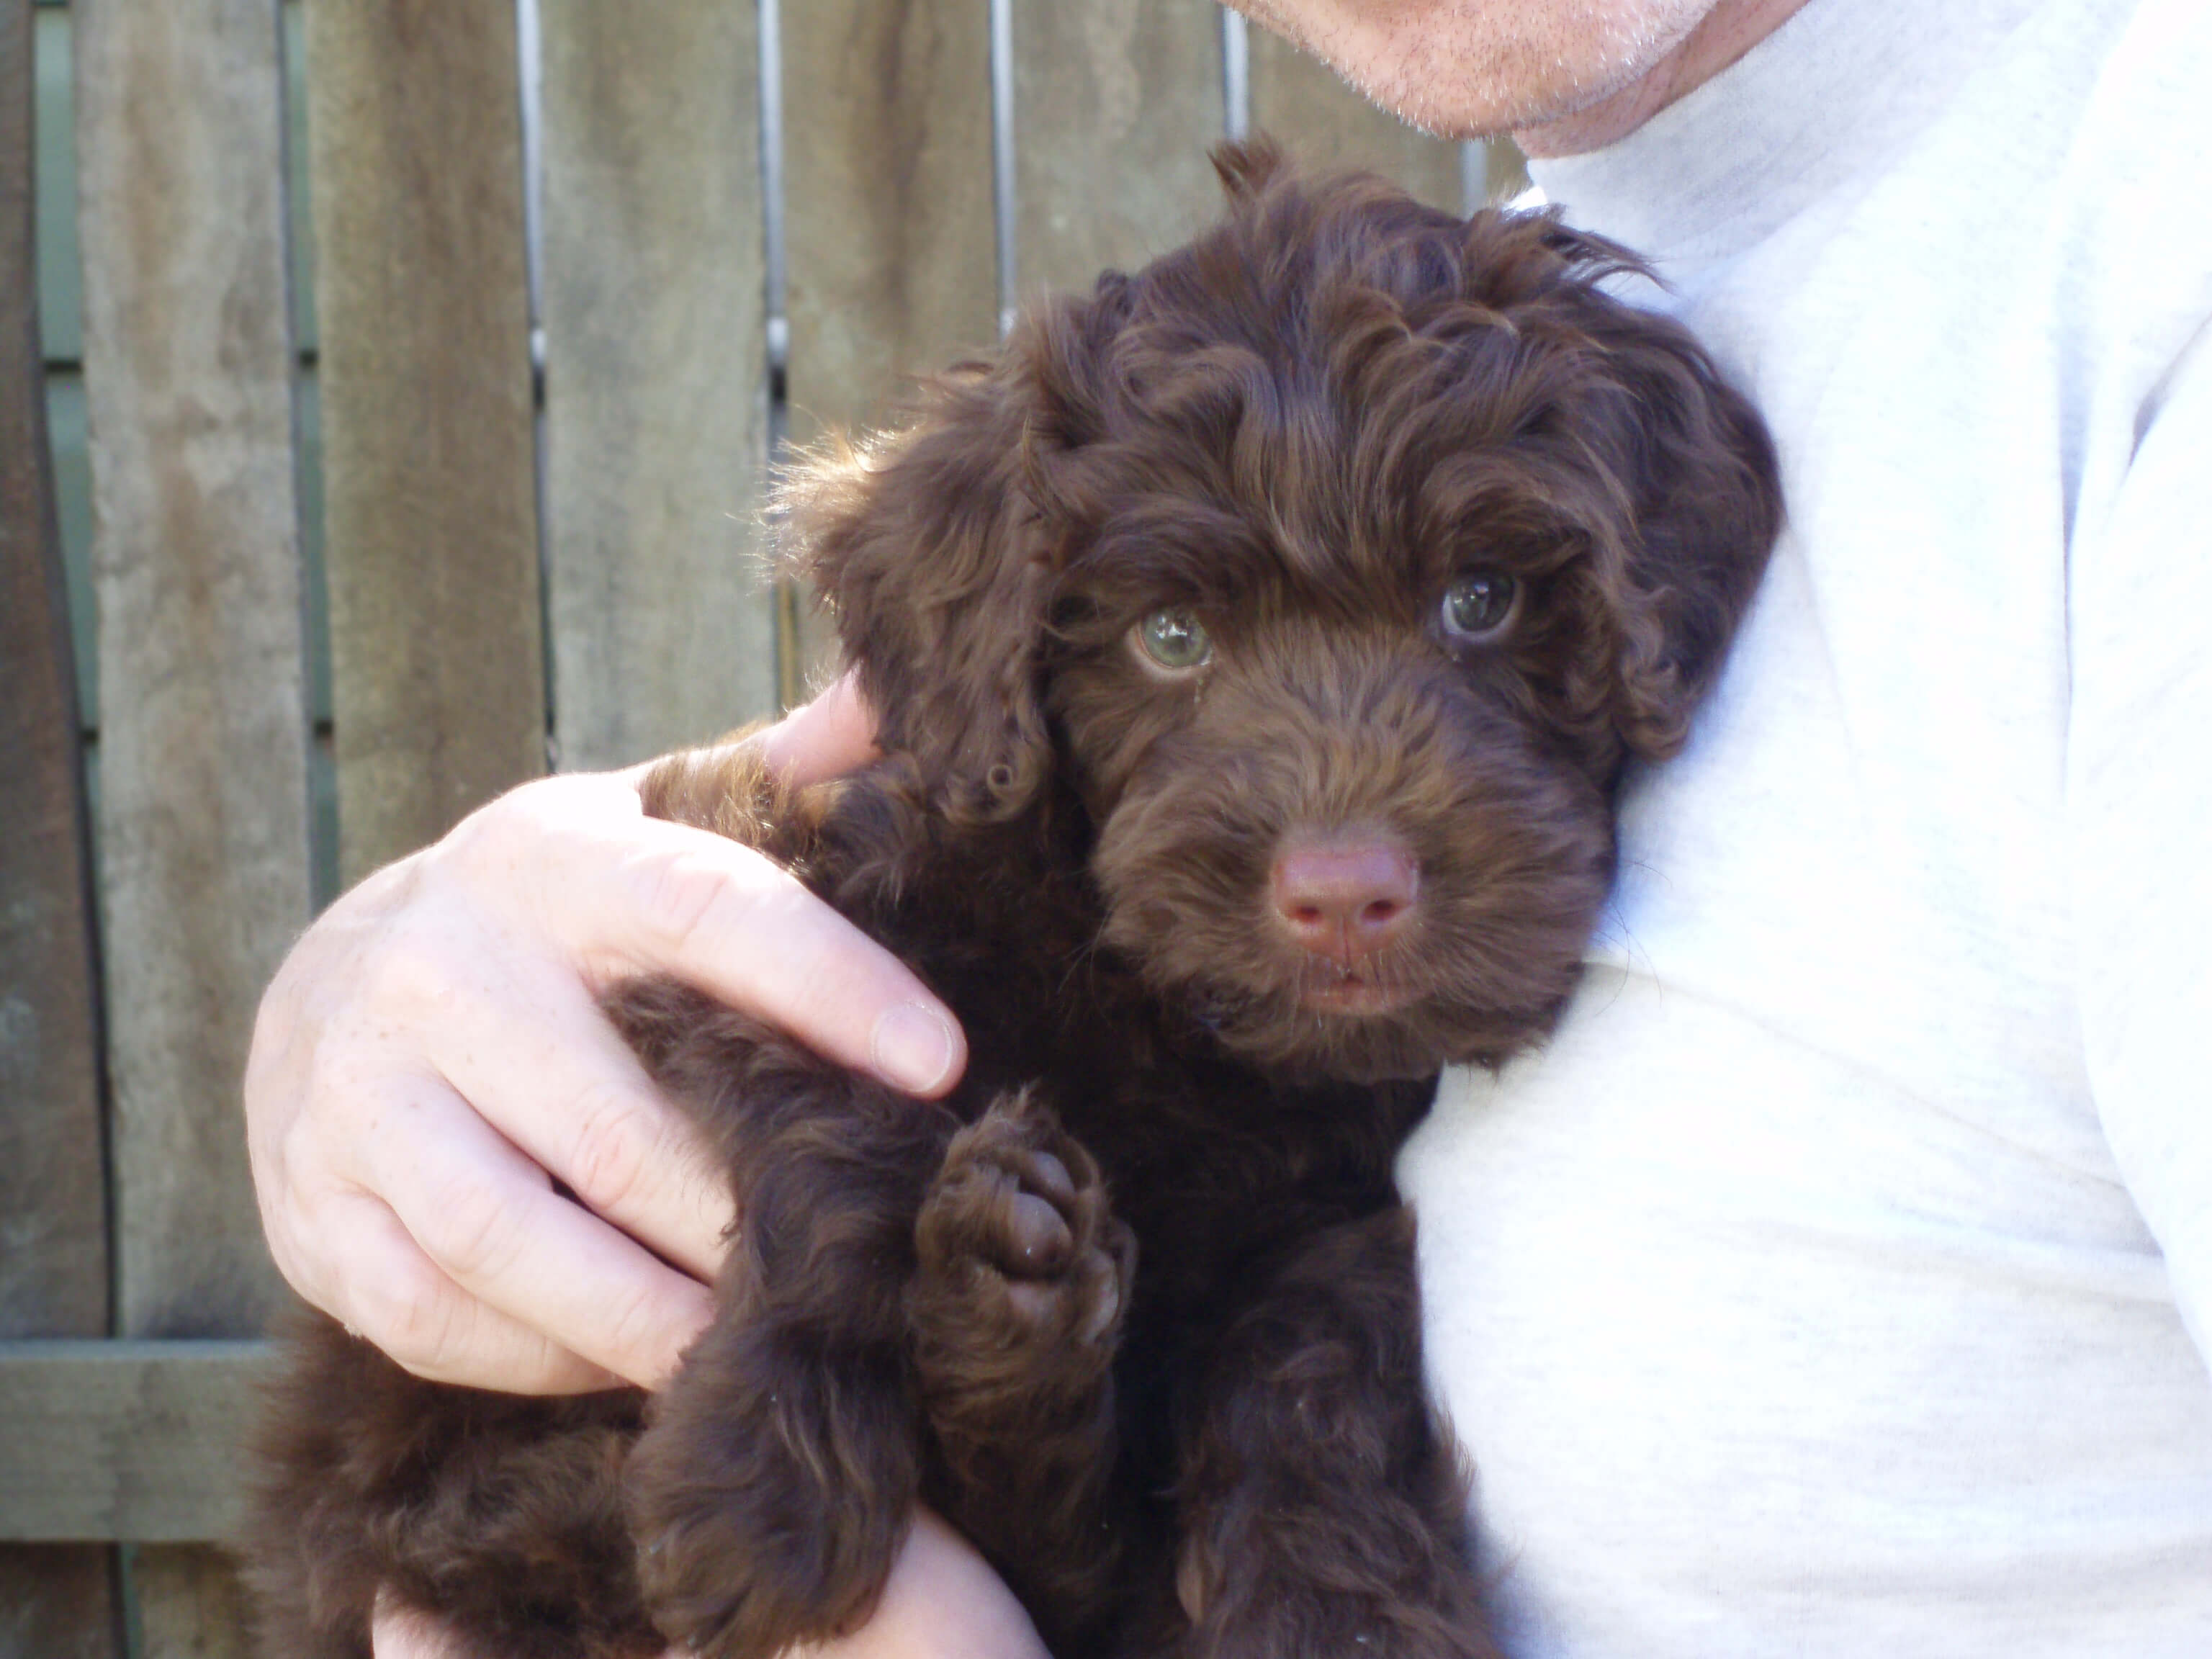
(1017, 1229)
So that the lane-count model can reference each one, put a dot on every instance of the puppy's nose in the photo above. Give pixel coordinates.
(1346, 898)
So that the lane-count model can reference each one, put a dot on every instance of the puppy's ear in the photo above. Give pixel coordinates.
(1245, 165)
(925, 545)
(1692, 465)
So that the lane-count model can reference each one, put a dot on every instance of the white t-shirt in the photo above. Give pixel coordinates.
(1827, 1285)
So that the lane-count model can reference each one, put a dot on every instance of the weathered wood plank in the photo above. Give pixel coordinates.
(1116, 103)
(54, 1247)
(121, 1440)
(58, 1601)
(203, 729)
(888, 220)
(656, 377)
(204, 734)
(191, 1604)
(1323, 122)
(438, 678)
(55, 1604)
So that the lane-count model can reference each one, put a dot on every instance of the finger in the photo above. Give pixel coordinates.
(544, 1067)
(665, 898)
(400, 1632)
(488, 1219)
(942, 1600)
(391, 1293)
(833, 735)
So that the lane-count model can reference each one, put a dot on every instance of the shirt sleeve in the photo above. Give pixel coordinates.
(2139, 803)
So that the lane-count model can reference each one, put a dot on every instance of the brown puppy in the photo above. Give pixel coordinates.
(1258, 643)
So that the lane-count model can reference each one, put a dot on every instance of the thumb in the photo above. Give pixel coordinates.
(825, 739)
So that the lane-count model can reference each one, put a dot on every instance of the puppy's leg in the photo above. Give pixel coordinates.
(1022, 1276)
(498, 1518)
(774, 1485)
(1324, 1508)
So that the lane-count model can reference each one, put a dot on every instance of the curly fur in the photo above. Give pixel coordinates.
(1135, 1307)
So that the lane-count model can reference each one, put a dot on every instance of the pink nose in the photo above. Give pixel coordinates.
(1346, 898)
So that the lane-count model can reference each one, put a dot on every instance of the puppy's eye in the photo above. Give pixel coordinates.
(1478, 605)
(1173, 639)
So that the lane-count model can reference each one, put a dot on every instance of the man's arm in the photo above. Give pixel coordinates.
(431, 1059)
(2139, 783)
(941, 1601)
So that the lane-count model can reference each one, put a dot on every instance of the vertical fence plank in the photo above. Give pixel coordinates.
(888, 218)
(53, 1254)
(888, 223)
(656, 377)
(1116, 103)
(195, 534)
(431, 515)
(55, 1602)
(191, 1604)
(1324, 123)
(58, 1601)
(202, 816)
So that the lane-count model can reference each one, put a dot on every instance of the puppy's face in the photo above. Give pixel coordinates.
(1328, 822)
(1337, 563)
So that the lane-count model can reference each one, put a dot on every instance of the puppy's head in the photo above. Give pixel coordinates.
(1337, 563)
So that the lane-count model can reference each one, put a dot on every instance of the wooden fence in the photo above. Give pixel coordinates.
(379, 518)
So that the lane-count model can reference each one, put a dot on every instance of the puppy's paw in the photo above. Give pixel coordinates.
(767, 1497)
(1273, 1616)
(1021, 1260)
(1358, 1580)
(725, 1582)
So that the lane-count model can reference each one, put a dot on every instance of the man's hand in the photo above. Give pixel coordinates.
(430, 1060)
(941, 1601)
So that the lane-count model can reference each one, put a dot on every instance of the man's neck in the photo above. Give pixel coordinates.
(1727, 32)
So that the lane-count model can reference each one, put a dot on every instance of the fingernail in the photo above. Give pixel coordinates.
(912, 1047)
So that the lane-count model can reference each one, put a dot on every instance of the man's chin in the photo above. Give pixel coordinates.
(1544, 74)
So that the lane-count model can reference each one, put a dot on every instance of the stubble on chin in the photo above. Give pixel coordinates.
(1480, 69)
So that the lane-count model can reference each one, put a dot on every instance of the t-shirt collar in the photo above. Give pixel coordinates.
(1818, 100)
